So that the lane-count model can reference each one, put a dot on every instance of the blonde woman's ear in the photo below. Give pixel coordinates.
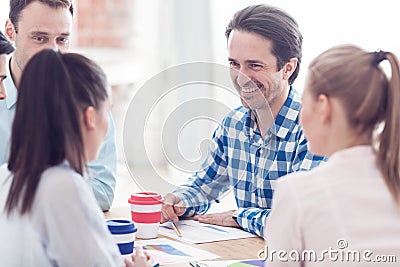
(324, 108)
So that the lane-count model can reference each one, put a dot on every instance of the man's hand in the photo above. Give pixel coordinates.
(172, 208)
(222, 219)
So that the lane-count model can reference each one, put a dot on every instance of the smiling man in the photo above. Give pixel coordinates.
(260, 141)
(34, 25)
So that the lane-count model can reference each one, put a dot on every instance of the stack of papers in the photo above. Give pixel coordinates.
(194, 232)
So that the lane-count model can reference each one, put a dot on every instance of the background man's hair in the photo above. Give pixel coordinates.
(16, 7)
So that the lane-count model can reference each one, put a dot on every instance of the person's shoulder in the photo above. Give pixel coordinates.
(238, 112)
(293, 101)
(236, 115)
(61, 170)
(305, 181)
(60, 186)
(60, 178)
(287, 121)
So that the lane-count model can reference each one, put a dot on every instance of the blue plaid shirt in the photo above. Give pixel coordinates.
(239, 158)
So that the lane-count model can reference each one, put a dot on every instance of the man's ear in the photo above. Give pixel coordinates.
(10, 30)
(89, 118)
(289, 68)
(324, 108)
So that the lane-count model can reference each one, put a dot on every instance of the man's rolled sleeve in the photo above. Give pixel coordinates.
(253, 219)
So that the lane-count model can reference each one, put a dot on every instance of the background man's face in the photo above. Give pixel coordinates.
(41, 27)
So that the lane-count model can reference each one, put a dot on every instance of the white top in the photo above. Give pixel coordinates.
(341, 206)
(65, 226)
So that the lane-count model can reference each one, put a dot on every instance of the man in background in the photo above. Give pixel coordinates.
(34, 25)
(260, 141)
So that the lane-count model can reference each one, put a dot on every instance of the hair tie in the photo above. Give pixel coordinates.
(378, 57)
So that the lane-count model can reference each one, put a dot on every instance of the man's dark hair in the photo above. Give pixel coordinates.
(16, 7)
(6, 47)
(273, 24)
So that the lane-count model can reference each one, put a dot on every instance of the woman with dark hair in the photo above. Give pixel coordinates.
(6, 48)
(50, 216)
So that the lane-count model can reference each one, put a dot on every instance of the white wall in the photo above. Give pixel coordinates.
(4, 6)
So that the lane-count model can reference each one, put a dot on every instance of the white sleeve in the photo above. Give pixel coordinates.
(283, 227)
(70, 223)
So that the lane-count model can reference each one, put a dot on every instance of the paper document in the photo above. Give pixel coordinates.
(165, 251)
(194, 232)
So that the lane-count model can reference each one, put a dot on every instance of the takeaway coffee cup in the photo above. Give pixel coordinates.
(146, 213)
(123, 232)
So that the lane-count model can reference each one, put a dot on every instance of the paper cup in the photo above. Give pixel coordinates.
(146, 213)
(124, 233)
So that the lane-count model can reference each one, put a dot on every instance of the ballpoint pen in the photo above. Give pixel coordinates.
(176, 229)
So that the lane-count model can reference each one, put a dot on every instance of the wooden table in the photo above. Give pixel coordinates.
(245, 248)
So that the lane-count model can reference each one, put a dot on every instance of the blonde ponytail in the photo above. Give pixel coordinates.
(388, 156)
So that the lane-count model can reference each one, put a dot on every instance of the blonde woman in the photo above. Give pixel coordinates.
(346, 212)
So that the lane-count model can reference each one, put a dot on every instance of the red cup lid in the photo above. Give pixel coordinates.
(146, 198)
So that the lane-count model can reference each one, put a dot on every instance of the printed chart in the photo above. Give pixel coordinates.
(165, 251)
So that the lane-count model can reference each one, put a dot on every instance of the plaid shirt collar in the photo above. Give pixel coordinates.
(292, 103)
